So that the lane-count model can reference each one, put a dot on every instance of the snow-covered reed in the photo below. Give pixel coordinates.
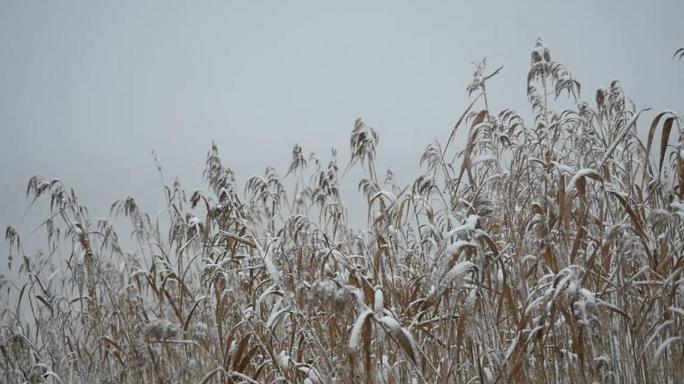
(546, 249)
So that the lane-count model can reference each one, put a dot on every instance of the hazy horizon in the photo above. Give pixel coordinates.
(91, 88)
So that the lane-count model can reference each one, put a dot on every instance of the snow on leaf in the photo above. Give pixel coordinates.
(355, 336)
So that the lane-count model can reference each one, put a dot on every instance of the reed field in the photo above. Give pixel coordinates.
(547, 249)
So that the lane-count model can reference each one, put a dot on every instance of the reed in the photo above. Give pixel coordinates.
(540, 250)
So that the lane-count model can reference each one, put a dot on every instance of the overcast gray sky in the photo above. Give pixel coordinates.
(89, 88)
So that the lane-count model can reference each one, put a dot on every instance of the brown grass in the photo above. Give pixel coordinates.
(547, 250)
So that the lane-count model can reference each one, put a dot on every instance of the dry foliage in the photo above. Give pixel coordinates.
(542, 251)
